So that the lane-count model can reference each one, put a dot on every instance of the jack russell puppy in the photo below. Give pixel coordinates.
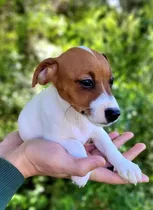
(75, 108)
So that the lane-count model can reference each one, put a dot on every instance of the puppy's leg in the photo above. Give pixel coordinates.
(126, 169)
(76, 149)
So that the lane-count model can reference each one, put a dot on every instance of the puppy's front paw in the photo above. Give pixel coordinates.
(129, 171)
(81, 181)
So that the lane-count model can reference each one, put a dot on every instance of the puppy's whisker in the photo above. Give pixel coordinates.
(65, 114)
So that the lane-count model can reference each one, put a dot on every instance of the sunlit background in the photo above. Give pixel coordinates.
(122, 29)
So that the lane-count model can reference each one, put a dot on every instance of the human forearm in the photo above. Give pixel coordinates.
(10, 180)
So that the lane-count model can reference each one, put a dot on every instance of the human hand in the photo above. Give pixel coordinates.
(103, 174)
(37, 157)
(43, 157)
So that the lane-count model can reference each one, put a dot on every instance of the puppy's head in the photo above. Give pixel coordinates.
(84, 79)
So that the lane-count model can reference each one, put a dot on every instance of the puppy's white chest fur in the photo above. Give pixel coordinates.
(48, 116)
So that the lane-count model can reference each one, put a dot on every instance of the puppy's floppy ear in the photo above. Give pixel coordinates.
(44, 72)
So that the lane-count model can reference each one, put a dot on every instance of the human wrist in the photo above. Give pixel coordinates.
(18, 160)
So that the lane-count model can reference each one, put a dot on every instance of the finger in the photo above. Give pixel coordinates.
(120, 140)
(117, 139)
(10, 142)
(113, 135)
(97, 152)
(56, 175)
(106, 176)
(92, 149)
(81, 166)
(134, 151)
(89, 147)
(12, 139)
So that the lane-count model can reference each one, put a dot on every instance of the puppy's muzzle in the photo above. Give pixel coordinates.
(112, 114)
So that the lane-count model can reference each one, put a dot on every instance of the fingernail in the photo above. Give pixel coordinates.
(131, 135)
(145, 178)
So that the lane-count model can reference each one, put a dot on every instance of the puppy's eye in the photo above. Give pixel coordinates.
(87, 83)
(111, 81)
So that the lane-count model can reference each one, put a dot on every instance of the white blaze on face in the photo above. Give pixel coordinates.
(98, 107)
(103, 102)
(87, 49)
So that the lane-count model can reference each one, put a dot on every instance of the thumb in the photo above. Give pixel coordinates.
(82, 166)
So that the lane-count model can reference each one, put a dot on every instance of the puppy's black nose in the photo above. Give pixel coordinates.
(112, 114)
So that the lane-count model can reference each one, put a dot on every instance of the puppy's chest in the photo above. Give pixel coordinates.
(80, 132)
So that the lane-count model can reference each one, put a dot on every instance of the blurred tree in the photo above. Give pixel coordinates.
(129, 5)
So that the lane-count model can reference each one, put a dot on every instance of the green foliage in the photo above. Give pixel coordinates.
(34, 30)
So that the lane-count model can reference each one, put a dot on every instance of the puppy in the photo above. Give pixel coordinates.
(75, 108)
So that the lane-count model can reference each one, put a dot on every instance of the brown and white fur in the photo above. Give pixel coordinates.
(75, 107)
